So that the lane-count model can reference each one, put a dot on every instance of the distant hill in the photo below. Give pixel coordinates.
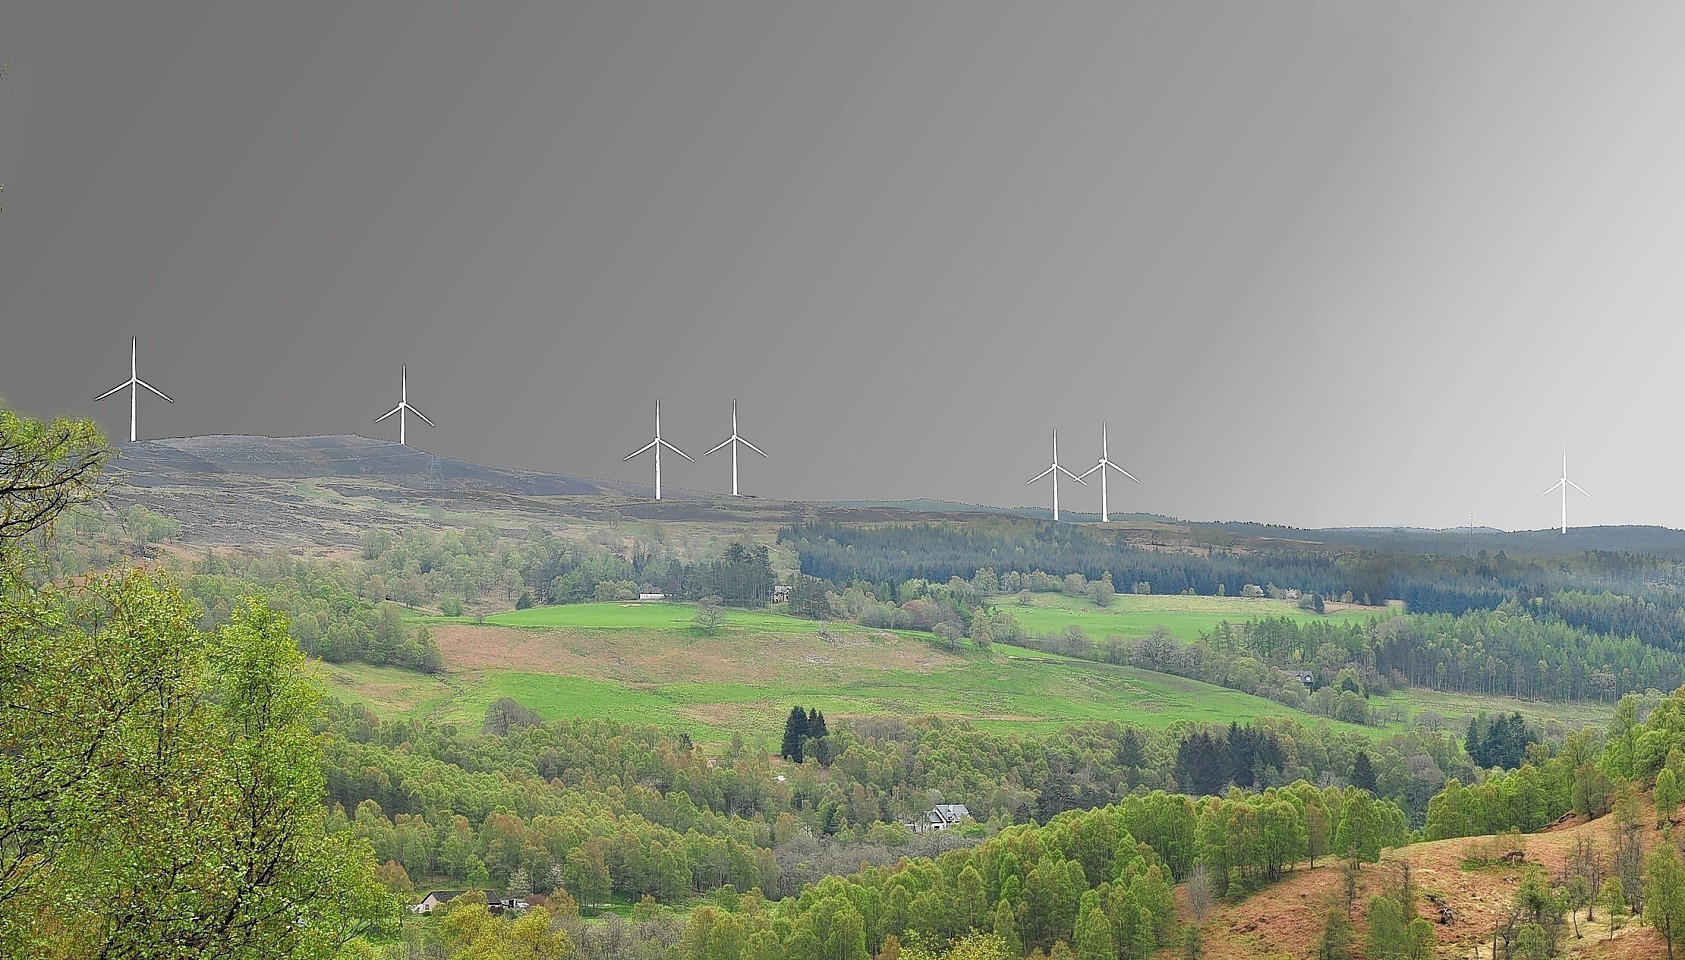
(156, 462)
(254, 491)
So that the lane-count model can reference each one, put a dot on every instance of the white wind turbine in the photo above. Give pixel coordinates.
(404, 407)
(657, 444)
(1105, 513)
(734, 440)
(1055, 469)
(1564, 484)
(133, 383)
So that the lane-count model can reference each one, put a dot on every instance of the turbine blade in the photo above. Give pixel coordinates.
(1123, 471)
(152, 388)
(1553, 488)
(675, 450)
(721, 444)
(1039, 475)
(753, 447)
(1578, 487)
(641, 449)
(423, 416)
(1090, 470)
(1072, 475)
(389, 413)
(112, 390)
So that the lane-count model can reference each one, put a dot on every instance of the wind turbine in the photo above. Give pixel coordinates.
(132, 383)
(1055, 469)
(1565, 483)
(734, 440)
(1105, 514)
(404, 407)
(658, 443)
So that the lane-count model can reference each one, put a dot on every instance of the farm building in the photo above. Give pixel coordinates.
(494, 903)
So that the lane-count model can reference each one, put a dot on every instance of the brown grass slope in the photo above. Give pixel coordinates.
(1286, 919)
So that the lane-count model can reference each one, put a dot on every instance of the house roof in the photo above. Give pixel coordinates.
(446, 896)
(950, 812)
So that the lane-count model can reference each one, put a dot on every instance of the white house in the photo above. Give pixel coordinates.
(652, 596)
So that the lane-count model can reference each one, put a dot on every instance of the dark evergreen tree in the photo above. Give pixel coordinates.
(1201, 764)
(1130, 749)
(1363, 772)
(795, 731)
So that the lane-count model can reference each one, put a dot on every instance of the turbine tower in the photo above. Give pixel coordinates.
(1105, 513)
(404, 407)
(657, 444)
(1055, 469)
(734, 440)
(1564, 484)
(133, 383)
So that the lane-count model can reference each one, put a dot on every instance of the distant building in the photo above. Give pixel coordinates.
(1251, 591)
(1305, 677)
(1291, 594)
(943, 816)
(780, 592)
(494, 903)
(652, 596)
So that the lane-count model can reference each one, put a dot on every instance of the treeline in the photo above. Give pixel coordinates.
(327, 618)
(892, 553)
(1515, 650)
(1099, 881)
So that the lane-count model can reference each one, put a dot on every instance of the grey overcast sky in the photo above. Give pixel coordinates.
(1316, 263)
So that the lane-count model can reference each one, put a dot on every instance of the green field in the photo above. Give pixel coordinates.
(1455, 709)
(645, 663)
(1185, 617)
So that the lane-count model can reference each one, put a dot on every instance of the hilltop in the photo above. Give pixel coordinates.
(322, 493)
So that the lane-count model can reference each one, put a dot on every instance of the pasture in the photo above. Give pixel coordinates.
(645, 663)
(1132, 615)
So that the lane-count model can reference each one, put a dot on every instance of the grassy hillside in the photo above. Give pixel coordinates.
(1185, 617)
(646, 663)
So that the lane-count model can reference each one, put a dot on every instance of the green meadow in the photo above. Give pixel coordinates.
(1132, 615)
(645, 663)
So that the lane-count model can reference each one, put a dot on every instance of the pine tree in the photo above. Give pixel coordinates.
(1335, 943)
(1363, 772)
(1667, 795)
(1006, 927)
(1386, 929)
(1613, 901)
(1144, 942)
(1094, 931)
(795, 731)
(1664, 894)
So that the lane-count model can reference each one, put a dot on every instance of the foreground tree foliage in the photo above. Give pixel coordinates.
(161, 794)
(44, 468)
(160, 787)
